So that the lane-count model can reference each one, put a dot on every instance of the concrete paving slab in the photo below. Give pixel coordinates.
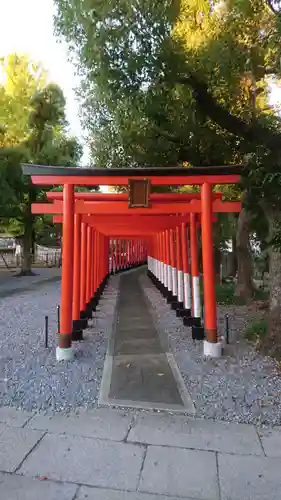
(249, 478)
(13, 487)
(181, 431)
(136, 304)
(182, 473)
(15, 444)
(13, 417)
(87, 461)
(138, 346)
(271, 441)
(143, 321)
(142, 332)
(86, 493)
(144, 378)
(99, 423)
(139, 317)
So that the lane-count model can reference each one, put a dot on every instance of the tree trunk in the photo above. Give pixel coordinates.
(233, 258)
(272, 343)
(33, 242)
(26, 262)
(27, 250)
(217, 262)
(245, 286)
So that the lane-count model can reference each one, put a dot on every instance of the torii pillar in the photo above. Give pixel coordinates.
(212, 348)
(64, 349)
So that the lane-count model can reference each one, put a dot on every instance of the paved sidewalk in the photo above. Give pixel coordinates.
(105, 454)
(10, 285)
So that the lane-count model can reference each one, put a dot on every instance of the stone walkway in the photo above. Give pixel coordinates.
(139, 370)
(105, 454)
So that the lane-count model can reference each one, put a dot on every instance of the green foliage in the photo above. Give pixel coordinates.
(261, 294)
(257, 331)
(48, 107)
(21, 79)
(11, 180)
(225, 295)
(34, 130)
(133, 118)
(140, 105)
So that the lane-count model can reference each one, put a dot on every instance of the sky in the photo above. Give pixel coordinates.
(26, 26)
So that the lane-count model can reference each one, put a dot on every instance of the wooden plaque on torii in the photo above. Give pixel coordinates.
(138, 193)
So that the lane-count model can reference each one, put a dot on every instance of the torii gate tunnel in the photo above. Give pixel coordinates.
(106, 233)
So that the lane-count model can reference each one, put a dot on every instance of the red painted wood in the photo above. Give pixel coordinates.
(49, 180)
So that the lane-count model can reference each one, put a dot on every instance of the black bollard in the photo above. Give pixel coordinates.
(227, 328)
(58, 318)
(46, 331)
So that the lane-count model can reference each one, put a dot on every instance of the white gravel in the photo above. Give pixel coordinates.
(242, 386)
(30, 376)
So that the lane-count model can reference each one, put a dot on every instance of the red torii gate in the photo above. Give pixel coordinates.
(96, 225)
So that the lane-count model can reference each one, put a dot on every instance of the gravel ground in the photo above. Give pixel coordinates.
(242, 386)
(30, 376)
